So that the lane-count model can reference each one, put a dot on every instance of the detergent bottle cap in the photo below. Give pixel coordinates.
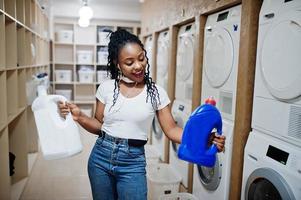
(210, 100)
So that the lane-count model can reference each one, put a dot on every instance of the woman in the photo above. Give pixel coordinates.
(125, 107)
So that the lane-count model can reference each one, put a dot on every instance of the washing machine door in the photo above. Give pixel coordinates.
(185, 56)
(266, 183)
(280, 56)
(162, 59)
(218, 56)
(210, 177)
(158, 133)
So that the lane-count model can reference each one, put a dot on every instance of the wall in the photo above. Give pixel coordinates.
(121, 10)
(160, 14)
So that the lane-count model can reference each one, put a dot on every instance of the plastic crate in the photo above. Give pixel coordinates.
(85, 76)
(162, 179)
(65, 93)
(63, 76)
(151, 154)
(102, 56)
(178, 196)
(64, 36)
(84, 57)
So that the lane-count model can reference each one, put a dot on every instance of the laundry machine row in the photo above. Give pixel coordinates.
(158, 137)
(220, 66)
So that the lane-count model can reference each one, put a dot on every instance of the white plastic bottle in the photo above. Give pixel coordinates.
(59, 137)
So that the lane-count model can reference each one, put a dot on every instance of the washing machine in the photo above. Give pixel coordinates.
(277, 91)
(213, 183)
(272, 169)
(158, 137)
(184, 68)
(219, 80)
(180, 112)
(148, 47)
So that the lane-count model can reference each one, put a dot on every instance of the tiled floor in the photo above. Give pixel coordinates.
(61, 179)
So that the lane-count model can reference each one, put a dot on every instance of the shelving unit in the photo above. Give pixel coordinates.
(72, 41)
(24, 45)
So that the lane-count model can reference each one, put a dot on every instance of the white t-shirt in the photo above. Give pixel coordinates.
(129, 118)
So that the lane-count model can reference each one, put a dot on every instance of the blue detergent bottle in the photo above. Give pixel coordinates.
(194, 147)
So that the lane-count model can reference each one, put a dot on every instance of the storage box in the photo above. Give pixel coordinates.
(102, 76)
(104, 38)
(64, 36)
(102, 56)
(162, 179)
(151, 154)
(66, 93)
(85, 76)
(84, 57)
(63, 76)
(178, 196)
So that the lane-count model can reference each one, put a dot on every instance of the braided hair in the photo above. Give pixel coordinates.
(118, 40)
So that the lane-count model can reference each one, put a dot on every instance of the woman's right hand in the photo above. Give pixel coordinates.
(66, 107)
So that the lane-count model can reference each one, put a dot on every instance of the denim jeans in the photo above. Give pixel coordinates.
(117, 170)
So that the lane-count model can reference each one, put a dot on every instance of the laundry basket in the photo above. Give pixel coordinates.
(162, 179)
(178, 196)
(151, 154)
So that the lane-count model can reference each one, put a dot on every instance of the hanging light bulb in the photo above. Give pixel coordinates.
(83, 22)
(85, 11)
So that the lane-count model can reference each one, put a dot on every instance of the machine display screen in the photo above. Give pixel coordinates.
(222, 16)
(287, 1)
(277, 154)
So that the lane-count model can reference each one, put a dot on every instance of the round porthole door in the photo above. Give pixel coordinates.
(185, 56)
(218, 56)
(210, 176)
(280, 57)
(266, 183)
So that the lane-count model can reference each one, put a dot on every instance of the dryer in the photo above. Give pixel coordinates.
(158, 137)
(181, 113)
(162, 59)
(184, 68)
(213, 183)
(219, 80)
(149, 52)
(277, 92)
(272, 169)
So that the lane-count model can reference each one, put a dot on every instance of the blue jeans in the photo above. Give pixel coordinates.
(117, 170)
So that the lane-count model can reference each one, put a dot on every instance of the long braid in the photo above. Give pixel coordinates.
(119, 39)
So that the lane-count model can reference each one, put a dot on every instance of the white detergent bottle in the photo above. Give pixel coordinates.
(59, 137)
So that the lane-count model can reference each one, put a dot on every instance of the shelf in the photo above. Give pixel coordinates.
(18, 146)
(85, 102)
(63, 54)
(13, 116)
(62, 83)
(21, 60)
(10, 7)
(63, 44)
(20, 10)
(3, 105)
(4, 168)
(84, 35)
(32, 132)
(11, 43)
(12, 92)
(84, 92)
(2, 42)
(22, 88)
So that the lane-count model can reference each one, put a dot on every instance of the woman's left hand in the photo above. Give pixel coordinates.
(219, 141)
